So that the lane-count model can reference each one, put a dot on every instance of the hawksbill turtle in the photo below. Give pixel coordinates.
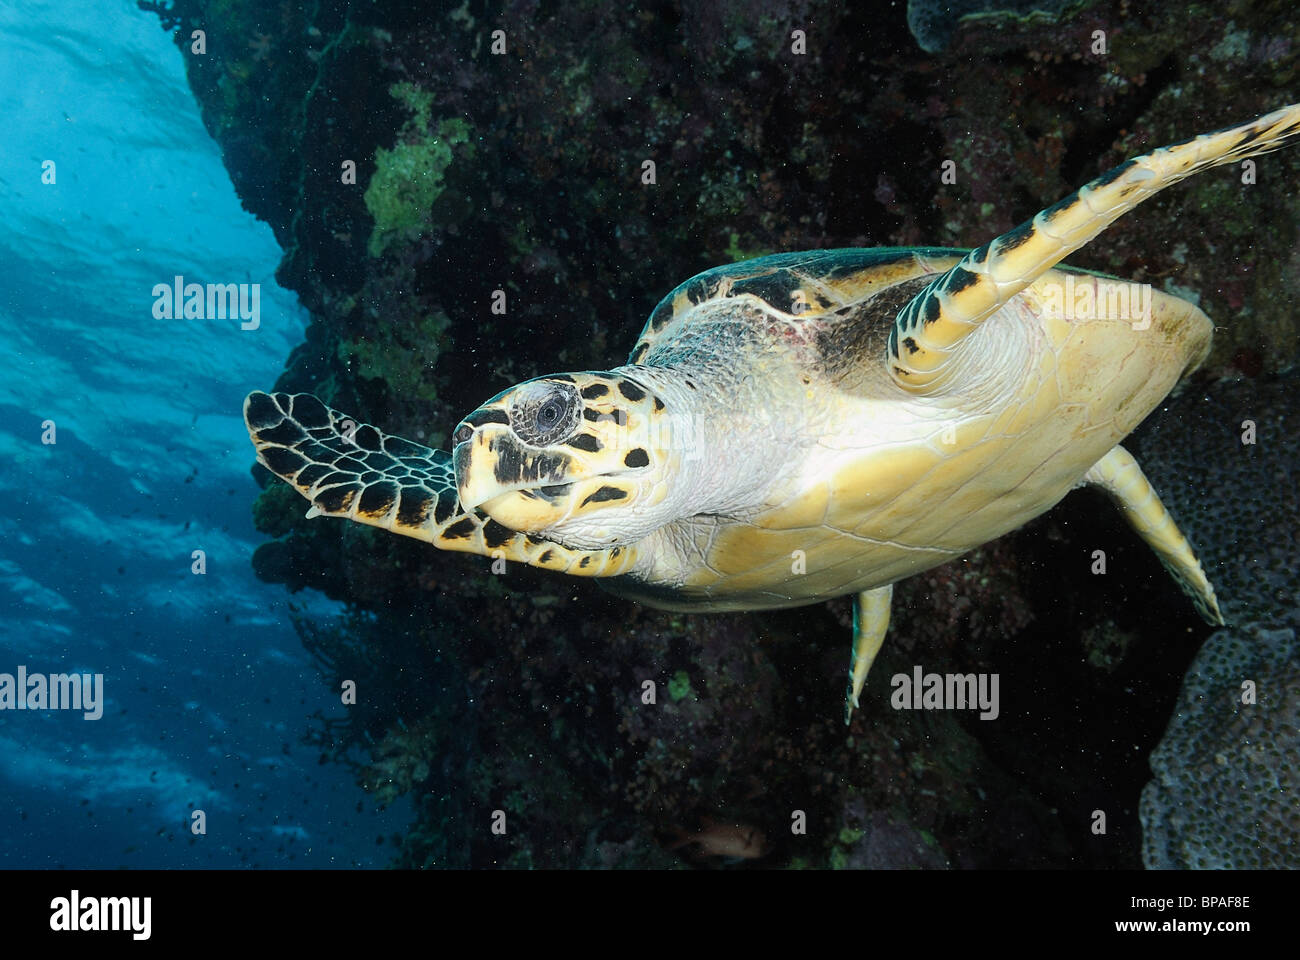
(811, 425)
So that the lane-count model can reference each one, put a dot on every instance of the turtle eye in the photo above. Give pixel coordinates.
(549, 415)
(542, 417)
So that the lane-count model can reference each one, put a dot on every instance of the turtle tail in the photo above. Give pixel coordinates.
(350, 469)
(929, 328)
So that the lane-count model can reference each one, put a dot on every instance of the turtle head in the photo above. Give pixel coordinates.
(582, 458)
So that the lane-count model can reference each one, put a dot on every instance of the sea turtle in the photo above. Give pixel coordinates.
(808, 425)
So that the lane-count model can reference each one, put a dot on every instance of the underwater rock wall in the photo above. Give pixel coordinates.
(417, 179)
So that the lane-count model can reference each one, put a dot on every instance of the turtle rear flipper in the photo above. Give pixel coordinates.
(870, 624)
(1119, 475)
(351, 469)
(929, 330)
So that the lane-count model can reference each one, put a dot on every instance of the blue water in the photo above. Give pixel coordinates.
(207, 690)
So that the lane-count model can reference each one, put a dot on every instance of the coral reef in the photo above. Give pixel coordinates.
(520, 178)
(1227, 773)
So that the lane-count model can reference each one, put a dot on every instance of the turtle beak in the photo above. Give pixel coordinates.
(491, 462)
(475, 462)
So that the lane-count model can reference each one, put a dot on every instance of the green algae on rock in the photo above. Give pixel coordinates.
(410, 178)
(402, 357)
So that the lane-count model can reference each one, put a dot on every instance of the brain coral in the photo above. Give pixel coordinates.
(1226, 773)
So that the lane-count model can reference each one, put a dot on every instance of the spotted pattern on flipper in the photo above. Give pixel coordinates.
(353, 470)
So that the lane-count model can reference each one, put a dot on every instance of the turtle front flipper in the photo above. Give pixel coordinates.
(350, 469)
(870, 624)
(929, 329)
(1119, 475)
